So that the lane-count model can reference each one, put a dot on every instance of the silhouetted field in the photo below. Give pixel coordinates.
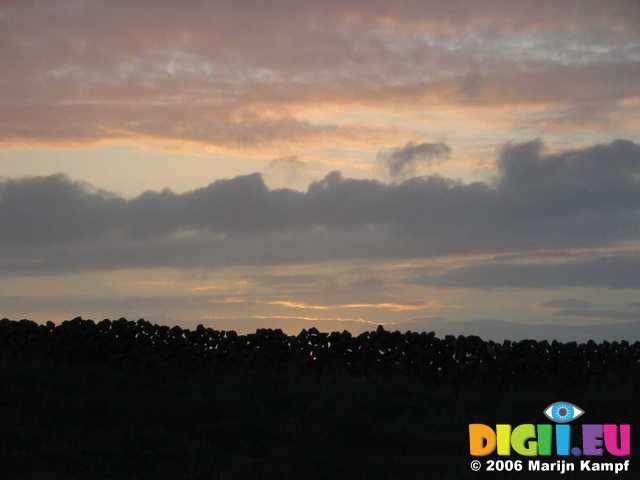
(120, 400)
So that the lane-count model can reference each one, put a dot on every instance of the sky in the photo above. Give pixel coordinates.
(463, 167)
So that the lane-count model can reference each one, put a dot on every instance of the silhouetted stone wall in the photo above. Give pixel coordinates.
(448, 360)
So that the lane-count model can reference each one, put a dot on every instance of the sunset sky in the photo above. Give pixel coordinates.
(468, 167)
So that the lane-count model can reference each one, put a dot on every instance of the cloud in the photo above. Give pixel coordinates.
(392, 307)
(54, 307)
(605, 314)
(236, 77)
(236, 127)
(582, 309)
(609, 271)
(289, 172)
(281, 281)
(565, 303)
(43, 210)
(290, 163)
(404, 162)
(368, 284)
(299, 305)
(577, 198)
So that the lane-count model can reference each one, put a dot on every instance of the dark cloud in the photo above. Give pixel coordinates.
(117, 305)
(368, 284)
(587, 197)
(581, 309)
(604, 314)
(280, 281)
(611, 271)
(565, 303)
(45, 210)
(405, 161)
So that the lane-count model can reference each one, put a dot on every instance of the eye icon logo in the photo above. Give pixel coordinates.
(563, 412)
